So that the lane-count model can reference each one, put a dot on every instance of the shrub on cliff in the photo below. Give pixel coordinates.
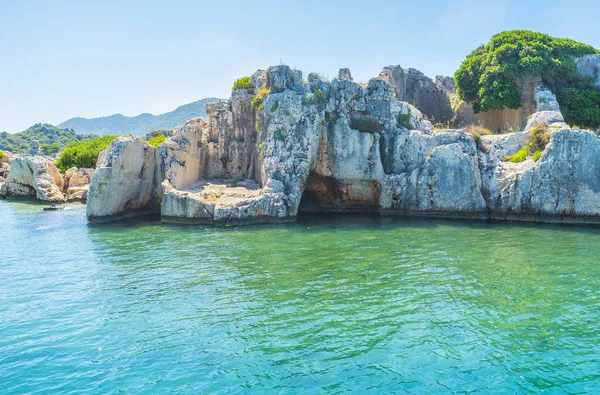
(539, 137)
(242, 83)
(2, 155)
(157, 140)
(487, 78)
(83, 153)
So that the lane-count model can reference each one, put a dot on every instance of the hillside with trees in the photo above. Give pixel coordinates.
(48, 139)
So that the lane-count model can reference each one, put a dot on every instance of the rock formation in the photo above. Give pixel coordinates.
(34, 177)
(414, 87)
(589, 65)
(77, 183)
(124, 181)
(341, 146)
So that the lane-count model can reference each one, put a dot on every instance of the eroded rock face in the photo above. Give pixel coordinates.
(416, 88)
(563, 186)
(77, 183)
(342, 146)
(589, 65)
(35, 177)
(124, 182)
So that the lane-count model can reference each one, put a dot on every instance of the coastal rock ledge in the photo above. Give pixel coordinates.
(339, 146)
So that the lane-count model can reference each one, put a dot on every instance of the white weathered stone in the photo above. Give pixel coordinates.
(124, 181)
(589, 66)
(36, 177)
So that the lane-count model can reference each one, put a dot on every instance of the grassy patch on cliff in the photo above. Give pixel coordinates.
(488, 77)
(2, 155)
(242, 83)
(158, 140)
(83, 153)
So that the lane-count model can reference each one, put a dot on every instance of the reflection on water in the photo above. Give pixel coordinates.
(327, 304)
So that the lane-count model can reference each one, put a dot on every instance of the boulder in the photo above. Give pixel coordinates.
(553, 118)
(124, 182)
(36, 177)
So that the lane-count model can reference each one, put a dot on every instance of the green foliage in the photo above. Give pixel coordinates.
(50, 149)
(364, 123)
(242, 83)
(537, 155)
(2, 155)
(539, 137)
(403, 121)
(488, 76)
(51, 139)
(83, 153)
(518, 156)
(157, 140)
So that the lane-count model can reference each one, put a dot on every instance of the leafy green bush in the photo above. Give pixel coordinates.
(83, 153)
(2, 155)
(518, 156)
(242, 83)
(537, 155)
(157, 140)
(488, 76)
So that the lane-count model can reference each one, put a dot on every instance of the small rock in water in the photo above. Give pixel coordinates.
(53, 208)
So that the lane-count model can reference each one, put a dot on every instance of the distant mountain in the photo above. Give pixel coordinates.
(140, 125)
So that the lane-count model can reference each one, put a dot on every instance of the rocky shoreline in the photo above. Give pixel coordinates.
(287, 145)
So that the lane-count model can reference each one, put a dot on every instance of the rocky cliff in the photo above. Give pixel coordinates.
(287, 145)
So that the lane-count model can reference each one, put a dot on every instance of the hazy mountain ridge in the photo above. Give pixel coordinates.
(139, 125)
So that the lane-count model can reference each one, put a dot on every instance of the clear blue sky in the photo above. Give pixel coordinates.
(61, 59)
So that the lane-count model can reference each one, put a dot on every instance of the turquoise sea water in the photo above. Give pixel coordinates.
(326, 305)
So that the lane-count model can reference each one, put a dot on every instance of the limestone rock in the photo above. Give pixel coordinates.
(545, 99)
(564, 185)
(552, 118)
(416, 88)
(280, 78)
(76, 183)
(36, 177)
(432, 174)
(123, 183)
(589, 65)
(344, 74)
(182, 157)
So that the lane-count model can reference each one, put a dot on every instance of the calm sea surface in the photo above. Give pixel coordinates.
(326, 305)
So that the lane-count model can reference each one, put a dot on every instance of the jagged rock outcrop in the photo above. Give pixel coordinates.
(562, 186)
(412, 86)
(34, 177)
(124, 182)
(345, 74)
(341, 146)
(433, 174)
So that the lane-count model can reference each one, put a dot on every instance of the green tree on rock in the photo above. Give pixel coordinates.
(488, 77)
